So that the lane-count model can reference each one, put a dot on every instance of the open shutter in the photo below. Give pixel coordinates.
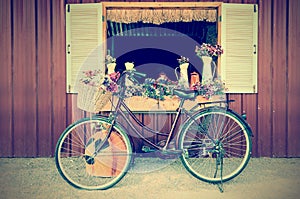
(239, 40)
(83, 41)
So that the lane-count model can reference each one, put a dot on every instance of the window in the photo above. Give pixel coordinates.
(236, 31)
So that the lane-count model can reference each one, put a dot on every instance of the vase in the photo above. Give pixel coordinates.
(184, 80)
(111, 68)
(207, 71)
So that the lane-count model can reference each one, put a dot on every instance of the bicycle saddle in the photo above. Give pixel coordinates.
(185, 94)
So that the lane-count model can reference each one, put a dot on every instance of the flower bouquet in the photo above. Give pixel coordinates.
(95, 89)
(183, 60)
(158, 89)
(209, 50)
(209, 88)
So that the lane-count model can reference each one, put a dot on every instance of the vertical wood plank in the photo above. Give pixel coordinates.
(293, 94)
(6, 110)
(18, 81)
(279, 88)
(24, 79)
(237, 104)
(70, 112)
(150, 121)
(44, 78)
(250, 108)
(72, 108)
(164, 124)
(137, 142)
(264, 78)
(58, 70)
(30, 132)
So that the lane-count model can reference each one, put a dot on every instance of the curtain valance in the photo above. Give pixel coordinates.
(159, 16)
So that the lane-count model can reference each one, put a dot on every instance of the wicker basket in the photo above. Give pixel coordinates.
(91, 98)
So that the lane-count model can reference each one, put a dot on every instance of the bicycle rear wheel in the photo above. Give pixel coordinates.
(216, 144)
(85, 161)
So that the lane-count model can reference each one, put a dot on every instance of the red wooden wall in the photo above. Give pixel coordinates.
(35, 109)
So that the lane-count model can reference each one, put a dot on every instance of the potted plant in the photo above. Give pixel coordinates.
(207, 52)
(183, 65)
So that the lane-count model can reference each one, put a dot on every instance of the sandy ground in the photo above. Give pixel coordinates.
(153, 178)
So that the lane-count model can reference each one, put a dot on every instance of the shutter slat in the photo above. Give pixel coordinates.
(239, 35)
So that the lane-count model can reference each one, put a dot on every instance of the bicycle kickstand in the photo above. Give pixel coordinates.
(219, 161)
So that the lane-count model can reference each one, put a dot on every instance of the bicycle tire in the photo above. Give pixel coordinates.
(200, 136)
(79, 164)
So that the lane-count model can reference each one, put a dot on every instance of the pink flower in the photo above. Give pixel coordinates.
(114, 76)
(209, 50)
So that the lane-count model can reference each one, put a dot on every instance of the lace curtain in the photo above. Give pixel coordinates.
(159, 16)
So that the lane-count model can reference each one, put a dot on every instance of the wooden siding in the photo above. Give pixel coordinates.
(35, 108)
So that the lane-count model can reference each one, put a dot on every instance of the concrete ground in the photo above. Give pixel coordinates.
(264, 178)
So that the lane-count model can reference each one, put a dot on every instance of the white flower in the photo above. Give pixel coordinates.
(129, 65)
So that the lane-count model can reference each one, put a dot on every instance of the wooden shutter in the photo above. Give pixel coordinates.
(83, 41)
(239, 40)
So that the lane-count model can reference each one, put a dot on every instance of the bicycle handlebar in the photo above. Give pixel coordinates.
(138, 74)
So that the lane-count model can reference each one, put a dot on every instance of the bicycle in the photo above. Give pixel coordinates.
(213, 143)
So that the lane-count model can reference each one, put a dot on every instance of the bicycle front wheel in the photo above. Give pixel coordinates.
(85, 160)
(216, 144)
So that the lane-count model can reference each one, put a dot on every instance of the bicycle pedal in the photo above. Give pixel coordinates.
(89, 159)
